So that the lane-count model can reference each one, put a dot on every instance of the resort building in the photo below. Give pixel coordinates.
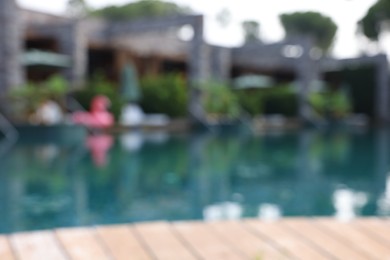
(78, 48)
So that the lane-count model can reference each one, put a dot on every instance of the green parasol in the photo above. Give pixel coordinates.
(130, 90)
(253, 81)
(44, 58)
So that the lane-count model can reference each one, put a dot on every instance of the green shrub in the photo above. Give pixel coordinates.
(56, 86)
(165, 94)
(362, 91)
(220, 101)
(31, 95)
(274, 100)
(281, 100)
(332, 104)
(251, 101)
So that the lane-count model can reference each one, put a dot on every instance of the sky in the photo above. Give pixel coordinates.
(345, 13)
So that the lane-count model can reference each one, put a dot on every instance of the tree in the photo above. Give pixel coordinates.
(321, 28)
(251, 31)
(143, 8)
(224, 17)
(370, 24)
(77, 8)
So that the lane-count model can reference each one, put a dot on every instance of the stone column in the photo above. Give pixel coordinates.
(73, 42)
(382, 149)
(221, 63)
(11, 47)
(198, 62)
(382, 89)
(307, 71)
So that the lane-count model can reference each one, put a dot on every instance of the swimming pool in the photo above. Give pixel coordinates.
(156, 176)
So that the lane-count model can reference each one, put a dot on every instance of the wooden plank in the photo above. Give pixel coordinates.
(354, 236)
(162, 242)
(36, 245)
(205, 242)
(326, 240)
(5, 249)
(251, 239)
(246, 242)
(122, 243)
(295, 246)
(375, 227)
(81, 243)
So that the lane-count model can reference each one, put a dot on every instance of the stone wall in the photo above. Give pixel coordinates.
(36, 17)
(72, 41)
(11, 31)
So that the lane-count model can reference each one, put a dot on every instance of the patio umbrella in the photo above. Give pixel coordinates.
(44, 58)
(253, 81)
(130, 90)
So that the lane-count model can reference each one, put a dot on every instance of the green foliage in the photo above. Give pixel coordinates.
(275, 100)
(220, 101)
(370, 23)
(31, 95)
(77, 8)
(99, 85)
(332, 104)
(332, 148)
(164, 94)
(56, 86)
(251, 31)
(281, 100)
(143, 8)
(321, 28)
(251, 101)
(53, 88)
(224, 17)
(362, 92)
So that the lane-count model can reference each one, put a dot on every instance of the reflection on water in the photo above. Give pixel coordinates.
(223, 211)
(269, 212)
(132, 141)
(140, 177)
(348, 203)
(99, 146)
(46, 153)
(384, 200)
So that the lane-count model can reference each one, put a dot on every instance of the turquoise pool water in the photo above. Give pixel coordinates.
(142, 177)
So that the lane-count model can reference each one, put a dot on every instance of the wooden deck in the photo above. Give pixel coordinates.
(247, 239)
